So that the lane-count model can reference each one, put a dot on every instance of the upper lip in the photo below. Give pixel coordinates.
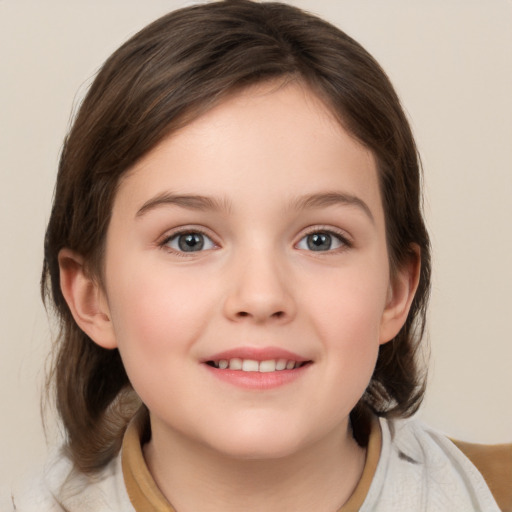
(257, 354)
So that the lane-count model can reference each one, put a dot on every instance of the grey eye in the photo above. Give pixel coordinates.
(190, 242)
(321, 241)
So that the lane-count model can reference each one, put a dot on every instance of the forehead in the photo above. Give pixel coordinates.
(279, 137)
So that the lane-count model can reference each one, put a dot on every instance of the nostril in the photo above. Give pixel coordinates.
(277, 314)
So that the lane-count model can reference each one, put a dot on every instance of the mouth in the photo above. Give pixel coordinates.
(253, 365)
(257, 368)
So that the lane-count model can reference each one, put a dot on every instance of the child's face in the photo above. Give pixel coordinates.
(257, 233)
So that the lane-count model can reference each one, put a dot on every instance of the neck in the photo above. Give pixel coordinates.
(192, 477)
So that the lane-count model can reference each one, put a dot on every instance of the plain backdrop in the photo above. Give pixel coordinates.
(451, 62)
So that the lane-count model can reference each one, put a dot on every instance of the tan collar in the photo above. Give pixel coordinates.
(142, 489)
(355, 502)
(145, 495)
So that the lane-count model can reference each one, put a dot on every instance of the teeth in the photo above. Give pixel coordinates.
(281, 364)
(235, 364)
(251, 365)
(267, 366)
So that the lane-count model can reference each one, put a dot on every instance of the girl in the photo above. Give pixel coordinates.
(238, 259)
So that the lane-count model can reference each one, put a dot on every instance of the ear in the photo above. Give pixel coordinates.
(400, 296)
(86, 299)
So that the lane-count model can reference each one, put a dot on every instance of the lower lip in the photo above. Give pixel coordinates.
(258, 380)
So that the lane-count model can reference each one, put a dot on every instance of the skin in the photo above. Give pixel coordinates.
(258, 157)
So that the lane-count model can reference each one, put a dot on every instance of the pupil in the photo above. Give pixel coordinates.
(319, 242)
(191, 242)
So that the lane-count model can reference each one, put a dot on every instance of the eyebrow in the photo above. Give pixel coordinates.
(189, 201)
(331, 199)
(207, 203)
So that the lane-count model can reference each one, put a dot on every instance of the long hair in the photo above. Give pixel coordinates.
(165, 76)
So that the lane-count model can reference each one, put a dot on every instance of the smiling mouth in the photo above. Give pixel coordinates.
(252, 365)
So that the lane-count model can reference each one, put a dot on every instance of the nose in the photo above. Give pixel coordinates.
(259, 291)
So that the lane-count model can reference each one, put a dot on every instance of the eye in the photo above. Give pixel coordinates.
(190, 241)
(322, 241)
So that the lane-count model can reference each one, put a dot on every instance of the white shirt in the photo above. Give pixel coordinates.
(419, 470)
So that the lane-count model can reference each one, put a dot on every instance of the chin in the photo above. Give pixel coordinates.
(258, 451)
(264, 443)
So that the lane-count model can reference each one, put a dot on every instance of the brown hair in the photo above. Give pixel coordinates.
(166, 75)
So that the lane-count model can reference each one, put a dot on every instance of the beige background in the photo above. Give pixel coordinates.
(451, 62)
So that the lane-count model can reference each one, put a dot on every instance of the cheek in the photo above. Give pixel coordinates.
(346, 316)
(157, 319)
(156, 313)
(350, 303)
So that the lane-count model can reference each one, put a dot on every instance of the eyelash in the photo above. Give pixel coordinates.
(340, 237)
(181, 232)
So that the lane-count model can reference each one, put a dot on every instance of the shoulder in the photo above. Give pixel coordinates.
(495, 464)
(421, 469)
(60, 487)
